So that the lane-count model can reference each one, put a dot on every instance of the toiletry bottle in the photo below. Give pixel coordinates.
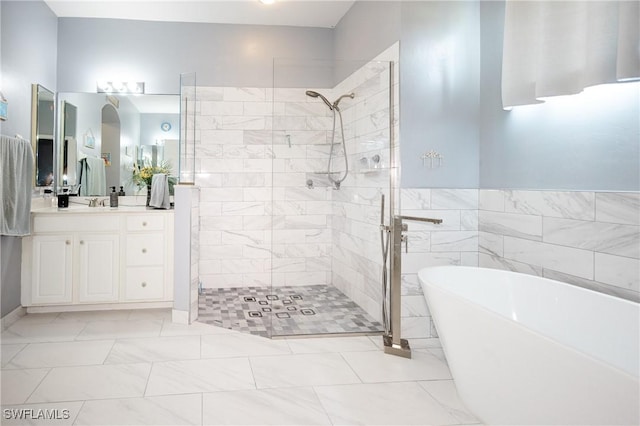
(113, 197)
(63, 198)
(121, 193)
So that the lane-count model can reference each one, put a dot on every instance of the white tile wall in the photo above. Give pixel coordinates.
(255, 148)
(356, 252)
(454, 242)
(590, 239)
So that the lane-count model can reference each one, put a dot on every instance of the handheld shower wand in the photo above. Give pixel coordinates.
(334, 108)
(315, 94)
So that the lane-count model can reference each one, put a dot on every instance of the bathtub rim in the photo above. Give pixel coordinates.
(526, 327)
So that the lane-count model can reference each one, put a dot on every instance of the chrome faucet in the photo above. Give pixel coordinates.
(393, 343)
(93, 202)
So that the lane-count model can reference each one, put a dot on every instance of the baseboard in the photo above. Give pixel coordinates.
(12, 317)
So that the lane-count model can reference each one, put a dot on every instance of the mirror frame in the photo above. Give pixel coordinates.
(36, 115)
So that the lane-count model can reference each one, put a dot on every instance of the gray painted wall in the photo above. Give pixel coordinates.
(439, 93)
(586, 143)
(25, 60)
(367, 29)
(157, 52)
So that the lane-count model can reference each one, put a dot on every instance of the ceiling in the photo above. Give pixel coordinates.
(298, 13)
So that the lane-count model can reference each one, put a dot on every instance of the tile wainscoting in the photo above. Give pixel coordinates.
(454, 242)
(588, 239)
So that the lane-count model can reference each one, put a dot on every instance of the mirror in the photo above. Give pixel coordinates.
(69, 145)
(121, 130)
(42, 130)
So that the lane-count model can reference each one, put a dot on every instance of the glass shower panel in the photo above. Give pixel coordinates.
(332, 163)
(187, 146)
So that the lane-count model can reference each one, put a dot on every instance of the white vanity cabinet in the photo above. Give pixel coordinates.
(145, 258)
(102, 258)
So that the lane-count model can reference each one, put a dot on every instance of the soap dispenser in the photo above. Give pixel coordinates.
(113, 197)
(121, 193)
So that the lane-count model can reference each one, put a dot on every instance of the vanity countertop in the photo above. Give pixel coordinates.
(129, 204)
(83, 209)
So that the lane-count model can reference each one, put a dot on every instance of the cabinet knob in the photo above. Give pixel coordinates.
(144, 223)
(144, 284)
(144, 250)
(68, 242)
(81, 242)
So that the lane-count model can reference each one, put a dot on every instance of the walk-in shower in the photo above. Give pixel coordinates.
(336, 181)
(281, 251)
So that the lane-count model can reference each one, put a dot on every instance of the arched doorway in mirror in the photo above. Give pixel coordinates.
(111, 145)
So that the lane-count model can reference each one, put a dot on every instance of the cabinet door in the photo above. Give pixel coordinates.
(98, 260)
(51, 269)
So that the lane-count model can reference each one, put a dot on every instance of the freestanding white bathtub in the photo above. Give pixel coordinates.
(529, 350)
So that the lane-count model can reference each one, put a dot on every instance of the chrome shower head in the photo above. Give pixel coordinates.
(348, 95)
(314, 94)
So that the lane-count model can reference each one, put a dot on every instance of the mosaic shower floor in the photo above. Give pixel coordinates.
(284, 311)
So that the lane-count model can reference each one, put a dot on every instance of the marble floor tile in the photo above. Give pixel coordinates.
(154, 410)
(9, 351)
(150, 314)
(205, 375)
(428, 343)
(376, 367)
(382, 404)
(153, 349)
(120, 329)
(301, 370)
(17, 385)
(437, 352)
(88, 316)
(288, 406)
(444, 391)
(92, 382)
(44, 318)
(332, 344)
(241, 344)
(193, 329)
(34, 333)
(62, 354)
(51, 414)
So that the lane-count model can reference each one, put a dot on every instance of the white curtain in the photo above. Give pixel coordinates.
(556, 48)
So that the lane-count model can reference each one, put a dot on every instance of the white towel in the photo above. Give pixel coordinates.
(16, 179)
(160, 191)
(93, 177)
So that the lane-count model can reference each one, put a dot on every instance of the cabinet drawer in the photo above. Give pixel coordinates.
(151, 222)
(147, 249)
(144, 283)
(75, 223)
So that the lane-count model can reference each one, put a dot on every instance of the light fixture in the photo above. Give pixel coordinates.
(267, 1)
(122, 87)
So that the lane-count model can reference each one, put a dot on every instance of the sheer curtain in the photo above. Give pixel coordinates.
(556, 48)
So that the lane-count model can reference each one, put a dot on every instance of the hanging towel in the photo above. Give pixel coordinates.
(16, 178)
(93, 177)
(160, 191)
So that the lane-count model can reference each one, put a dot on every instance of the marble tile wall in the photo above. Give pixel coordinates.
(356, 248)
(253, 149)
(590, 239)
(454, 242)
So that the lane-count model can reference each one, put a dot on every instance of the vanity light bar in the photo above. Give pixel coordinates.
(128, 87)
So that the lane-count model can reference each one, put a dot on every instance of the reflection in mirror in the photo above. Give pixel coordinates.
(134, 124)
(42, 128)
(69, 145)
